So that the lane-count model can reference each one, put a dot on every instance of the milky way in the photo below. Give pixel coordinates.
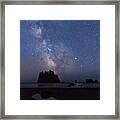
(53, 57)
(69, 48)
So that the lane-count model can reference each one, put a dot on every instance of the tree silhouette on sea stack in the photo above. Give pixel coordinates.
(48, 77)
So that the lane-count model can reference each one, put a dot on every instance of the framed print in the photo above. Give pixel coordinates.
(56, 63)
(60, 59)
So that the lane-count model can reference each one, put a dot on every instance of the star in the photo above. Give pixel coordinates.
(75, 58)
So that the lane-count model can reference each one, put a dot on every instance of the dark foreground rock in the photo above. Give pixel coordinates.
(60, 93)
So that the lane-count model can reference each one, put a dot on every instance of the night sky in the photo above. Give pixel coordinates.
(70, 48)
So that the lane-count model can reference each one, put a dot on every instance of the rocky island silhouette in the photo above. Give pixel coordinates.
(48, 77)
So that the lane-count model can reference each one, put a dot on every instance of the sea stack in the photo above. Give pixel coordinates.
(48, 77)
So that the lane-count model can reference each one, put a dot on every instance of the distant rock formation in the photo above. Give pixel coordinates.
(91, 81)
(48, 77)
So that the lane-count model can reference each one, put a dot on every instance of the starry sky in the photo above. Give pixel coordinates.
(70, 48)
